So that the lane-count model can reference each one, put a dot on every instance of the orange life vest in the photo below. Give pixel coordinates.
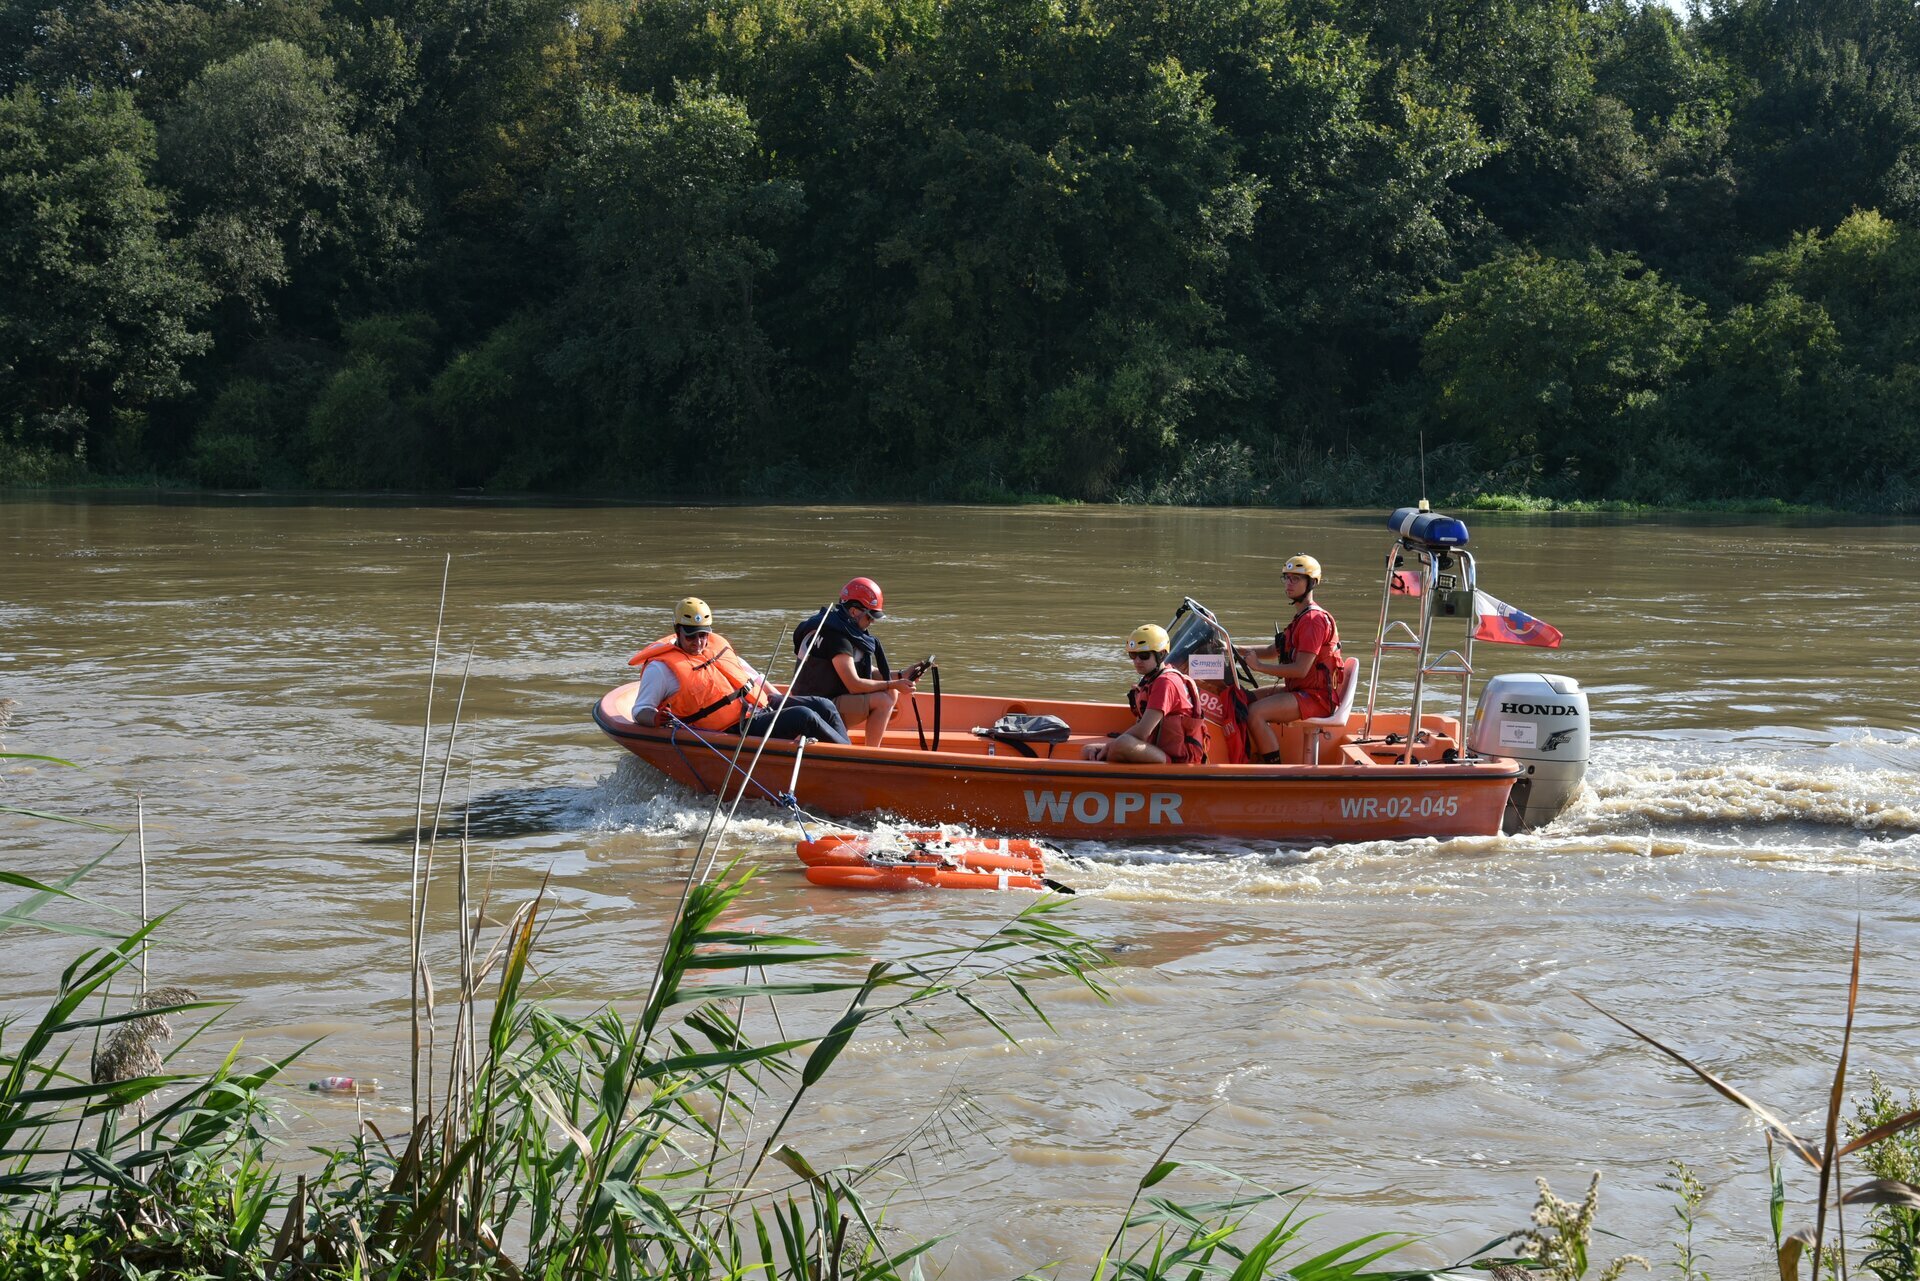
(714, 686)
(1182, 738)
(1324, 676)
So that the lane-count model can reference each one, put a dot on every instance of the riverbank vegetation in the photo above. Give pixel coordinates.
(1228, 251)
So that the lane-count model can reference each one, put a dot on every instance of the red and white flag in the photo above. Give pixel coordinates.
(1497, 621)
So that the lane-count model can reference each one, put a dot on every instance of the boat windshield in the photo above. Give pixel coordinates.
(1195, 630)
(1192, 631)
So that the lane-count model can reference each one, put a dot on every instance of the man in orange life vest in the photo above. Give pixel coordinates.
(696, 676)
(1306, 656)
(1168, 731)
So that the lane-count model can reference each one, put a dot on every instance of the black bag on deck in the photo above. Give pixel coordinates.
(1020, 729)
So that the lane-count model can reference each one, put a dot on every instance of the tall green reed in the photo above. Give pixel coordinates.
(85, 1147)
(1823, 1156)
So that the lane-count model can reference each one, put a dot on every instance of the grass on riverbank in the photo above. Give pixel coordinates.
(1529, 505)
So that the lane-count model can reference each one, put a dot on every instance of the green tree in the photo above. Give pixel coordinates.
(1866, 275)
(1862, 432)
(97, 307)
(666, 204)
(147, 47)
(1356, 157)
(275, 179)
(1829, 113)
(1671, 199)
(1524, 71)
(1760, 411)
(483, 401)
(1559, 364)
(369, 427)
(484, 110)
(1055, 216)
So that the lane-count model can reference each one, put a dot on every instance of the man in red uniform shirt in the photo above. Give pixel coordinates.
(1169, 729)
(1306, 656)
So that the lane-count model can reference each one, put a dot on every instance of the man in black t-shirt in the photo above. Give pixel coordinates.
(847, 664)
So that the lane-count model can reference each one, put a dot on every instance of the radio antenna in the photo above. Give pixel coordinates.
(1423, 472)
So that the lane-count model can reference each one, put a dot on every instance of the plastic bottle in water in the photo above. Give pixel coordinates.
(345, 1085)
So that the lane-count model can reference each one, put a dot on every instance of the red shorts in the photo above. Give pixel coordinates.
(1314, 704)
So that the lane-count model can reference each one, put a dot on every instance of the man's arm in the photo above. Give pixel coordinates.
(1144, 728)
(1261, 658)
(657, 685)
(858, 684)
(1300, 666)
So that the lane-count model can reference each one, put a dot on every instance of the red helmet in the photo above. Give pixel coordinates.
(863, 592)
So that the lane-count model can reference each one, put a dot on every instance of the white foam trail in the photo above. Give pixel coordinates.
(638, 798)
(1861, 800)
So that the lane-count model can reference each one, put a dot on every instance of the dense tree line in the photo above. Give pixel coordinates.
(1200, 249)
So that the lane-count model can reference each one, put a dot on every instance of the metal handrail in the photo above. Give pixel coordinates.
(1450, 663)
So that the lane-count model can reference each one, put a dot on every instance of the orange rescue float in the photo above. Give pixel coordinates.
(920, 860)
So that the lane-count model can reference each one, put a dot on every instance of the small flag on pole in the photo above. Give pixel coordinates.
(1497, 621)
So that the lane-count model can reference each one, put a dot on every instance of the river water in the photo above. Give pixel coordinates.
(1393, 1024)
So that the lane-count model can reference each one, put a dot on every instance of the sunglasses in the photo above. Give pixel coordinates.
(870, 613)
(1149, 655)
(695, 633)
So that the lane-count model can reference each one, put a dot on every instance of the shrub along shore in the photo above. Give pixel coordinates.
(162, 488)
(975, 250)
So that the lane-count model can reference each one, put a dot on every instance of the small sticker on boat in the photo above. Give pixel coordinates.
(1519, 734)
(1207, 667)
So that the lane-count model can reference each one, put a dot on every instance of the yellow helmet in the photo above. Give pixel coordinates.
(1149, 638)
(1302, 564)
(693, 612)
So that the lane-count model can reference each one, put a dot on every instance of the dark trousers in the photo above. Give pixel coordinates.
(805, 716)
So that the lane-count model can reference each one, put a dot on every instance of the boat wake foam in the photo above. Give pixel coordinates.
(1866, 801)
(638, 798)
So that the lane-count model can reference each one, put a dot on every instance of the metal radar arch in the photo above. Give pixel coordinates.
(1434, 548)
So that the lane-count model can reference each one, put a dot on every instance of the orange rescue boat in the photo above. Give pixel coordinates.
(1361, 791)
(1354, 776)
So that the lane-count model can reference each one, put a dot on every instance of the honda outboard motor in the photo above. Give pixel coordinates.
(1542, 722)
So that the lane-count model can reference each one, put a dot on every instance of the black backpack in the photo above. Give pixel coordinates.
(1021, 728)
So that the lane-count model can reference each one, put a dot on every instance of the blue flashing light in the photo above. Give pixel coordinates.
(1428, 529)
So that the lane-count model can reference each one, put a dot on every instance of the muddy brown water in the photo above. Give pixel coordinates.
(1392, 1024)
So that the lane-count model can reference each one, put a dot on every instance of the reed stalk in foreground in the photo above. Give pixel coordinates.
(1824, 1158)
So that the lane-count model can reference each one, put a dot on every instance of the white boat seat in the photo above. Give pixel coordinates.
(1323, 727)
